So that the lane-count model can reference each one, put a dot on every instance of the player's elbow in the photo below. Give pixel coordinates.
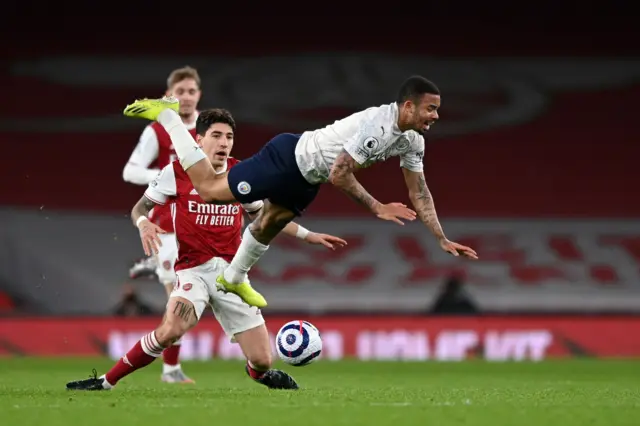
(129, 174)
(342, 171)
(138, 175)
(126, 176)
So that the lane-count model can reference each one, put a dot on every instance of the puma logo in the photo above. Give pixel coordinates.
(126, 360)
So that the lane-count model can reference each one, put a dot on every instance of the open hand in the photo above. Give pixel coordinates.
(458, 249)
(329, 241)
(149, 236)
(394, 212)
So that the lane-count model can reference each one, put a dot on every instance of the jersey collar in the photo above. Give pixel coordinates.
(394, 118)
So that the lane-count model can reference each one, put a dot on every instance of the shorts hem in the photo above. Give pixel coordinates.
(232, 333)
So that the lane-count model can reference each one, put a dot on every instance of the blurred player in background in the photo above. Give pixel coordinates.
(289, 170)
(153, 152)
(208, 237)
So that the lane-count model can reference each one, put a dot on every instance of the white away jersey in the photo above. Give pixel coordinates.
(369, 136)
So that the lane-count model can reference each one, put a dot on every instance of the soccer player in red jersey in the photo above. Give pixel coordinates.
(153, 152)
(208, 237)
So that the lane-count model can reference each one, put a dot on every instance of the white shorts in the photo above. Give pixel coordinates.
(166, 257)
(198, 285)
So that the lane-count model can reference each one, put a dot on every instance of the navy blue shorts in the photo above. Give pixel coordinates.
(273, 174)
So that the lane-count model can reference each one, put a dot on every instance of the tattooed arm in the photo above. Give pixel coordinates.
(342, 176)
(423, 201)
(142, 208)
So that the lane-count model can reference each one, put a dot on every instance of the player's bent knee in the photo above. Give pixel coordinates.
(272, 219)
(215, 191)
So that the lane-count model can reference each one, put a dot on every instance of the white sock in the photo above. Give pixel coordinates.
(105, 384)
(166, 368)
(186, 148)
(150, 345)
(249, 252)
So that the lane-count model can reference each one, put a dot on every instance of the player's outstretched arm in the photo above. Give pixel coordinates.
(342, 176)
(298, 231)
(422, 200)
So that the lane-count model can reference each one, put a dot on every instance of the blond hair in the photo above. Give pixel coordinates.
(183, 73)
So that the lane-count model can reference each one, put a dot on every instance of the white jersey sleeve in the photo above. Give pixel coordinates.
(163, 186)
(369, 136)
(137, 168)
(412, 158)
(253, 207)
(365, 143)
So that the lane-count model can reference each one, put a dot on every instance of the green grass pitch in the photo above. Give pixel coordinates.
(350, 393)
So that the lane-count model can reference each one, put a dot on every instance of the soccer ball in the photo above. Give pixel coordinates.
(298, 343)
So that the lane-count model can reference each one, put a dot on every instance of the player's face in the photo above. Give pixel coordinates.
(188, 93)
(425, 113)
(217, 143)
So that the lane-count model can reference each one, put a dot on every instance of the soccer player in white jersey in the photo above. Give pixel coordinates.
(289, 169)
(153, 152)
(208, 236)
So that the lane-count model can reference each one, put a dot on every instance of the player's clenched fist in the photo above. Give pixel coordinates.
(394, 212)
(149, 236)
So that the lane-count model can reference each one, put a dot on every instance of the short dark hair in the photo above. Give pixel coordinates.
(209, 117)
(414, 87)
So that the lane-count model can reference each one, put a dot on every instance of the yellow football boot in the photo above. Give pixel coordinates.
(150, 108)
(244, 291)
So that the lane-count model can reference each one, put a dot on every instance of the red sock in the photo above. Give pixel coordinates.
(140, 355)
(255, 374)
(171, 355)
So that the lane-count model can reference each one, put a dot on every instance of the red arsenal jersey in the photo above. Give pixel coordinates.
(203, 230)
(161, 215)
